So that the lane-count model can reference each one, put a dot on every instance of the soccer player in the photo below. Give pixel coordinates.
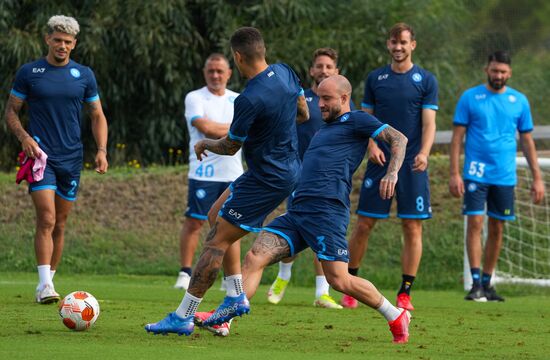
(325, 64)
(264, 123)
(319, 214)
(405, 96)
(490, 115)
(54, 89)
(208, 112)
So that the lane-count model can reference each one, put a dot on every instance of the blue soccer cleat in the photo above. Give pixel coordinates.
(172, 324)
(230, 308)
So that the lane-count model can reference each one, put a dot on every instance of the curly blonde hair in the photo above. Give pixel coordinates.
(64, 24)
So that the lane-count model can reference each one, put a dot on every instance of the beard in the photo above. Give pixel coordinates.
(333, 113)
(397, 59)
(496, 84)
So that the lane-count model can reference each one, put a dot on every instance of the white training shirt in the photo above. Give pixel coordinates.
(202, 103)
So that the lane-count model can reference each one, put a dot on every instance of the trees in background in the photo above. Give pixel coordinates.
(148, 54)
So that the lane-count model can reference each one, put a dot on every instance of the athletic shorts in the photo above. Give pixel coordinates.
(201, 195)
(250, 201)
(412, 193)
(62, 176)
(320, 224)
(499, 199)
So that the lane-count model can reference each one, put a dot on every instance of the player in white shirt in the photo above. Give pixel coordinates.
(208, 114)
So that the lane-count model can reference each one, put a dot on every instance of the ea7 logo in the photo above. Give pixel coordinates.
(383, 77)
(235, 214)
(38, 70)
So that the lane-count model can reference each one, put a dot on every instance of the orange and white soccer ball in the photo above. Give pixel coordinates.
(79, 310)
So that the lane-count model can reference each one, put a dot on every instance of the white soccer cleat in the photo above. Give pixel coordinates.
(47, 295)
(183, 281)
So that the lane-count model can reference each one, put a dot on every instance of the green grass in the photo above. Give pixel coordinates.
(444, 325)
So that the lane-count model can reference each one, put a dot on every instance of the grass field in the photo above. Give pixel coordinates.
(444, 326)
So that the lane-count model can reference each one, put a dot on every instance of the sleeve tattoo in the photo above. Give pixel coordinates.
(398, 143)
(223, 146)
(13, 107)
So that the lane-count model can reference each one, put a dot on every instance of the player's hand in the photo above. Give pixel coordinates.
(420, 162)
(101, 163)
(387, 186)
(456, 186)
(200, 149)
(537, 191)
(31, 148)
(376, 155)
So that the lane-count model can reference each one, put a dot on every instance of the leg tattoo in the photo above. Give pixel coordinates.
(271, 245)
(208, 266)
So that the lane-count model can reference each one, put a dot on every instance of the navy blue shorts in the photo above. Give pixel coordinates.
(201, 195)
(499, 199)
(250, 201)
(412, 193)
(62, 176)
(320, 224)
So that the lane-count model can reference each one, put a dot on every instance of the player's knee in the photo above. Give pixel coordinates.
(256, 259)
(365, 225)
(194, 225)
(46, 221)
(337, 281)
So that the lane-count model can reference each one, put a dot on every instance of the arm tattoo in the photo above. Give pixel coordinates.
(272, 246)
(13, 107)
(208, 266)
(398, 143)
(303, 110)
(223, 146)
(91, 108)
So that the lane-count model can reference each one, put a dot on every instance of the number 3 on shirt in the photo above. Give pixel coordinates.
(206, 171)
(476, 169)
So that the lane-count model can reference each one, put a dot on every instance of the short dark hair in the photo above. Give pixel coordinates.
(398, 28)
(216, 56)
(326, 51)
(500, 57)
(248, 42)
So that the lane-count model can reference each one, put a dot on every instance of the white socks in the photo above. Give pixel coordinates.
(389, 311)
(321, 286)
(44, 276)
(234, 285)
(188, 306)
(285, 270)
(52, 274)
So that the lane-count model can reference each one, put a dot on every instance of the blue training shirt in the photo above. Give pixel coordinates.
(55, 95)
(398, 100)
(265, 122)
(307, 129)
(492, 121)
(335, 152)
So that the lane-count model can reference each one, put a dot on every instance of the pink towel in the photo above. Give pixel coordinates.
(30, 169)
(39, 166)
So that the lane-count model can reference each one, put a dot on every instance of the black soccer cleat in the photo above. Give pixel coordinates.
(491, 294)
(476, 294)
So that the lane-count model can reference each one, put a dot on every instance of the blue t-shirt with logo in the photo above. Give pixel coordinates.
(335, 152)
(55, 95)
(307, 129)
(492, 121)
(398, 100)
(265, 122)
